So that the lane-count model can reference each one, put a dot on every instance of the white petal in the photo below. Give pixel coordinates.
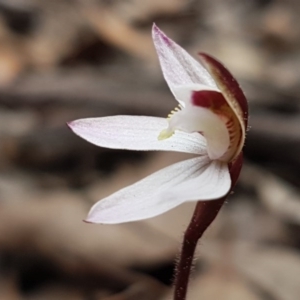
(190, 180)
(179, 68)
(213, 183)
(136, 133)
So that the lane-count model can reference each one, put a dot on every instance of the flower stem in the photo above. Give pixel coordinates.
(205, 212)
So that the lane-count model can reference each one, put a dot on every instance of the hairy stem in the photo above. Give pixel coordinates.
(205, 212)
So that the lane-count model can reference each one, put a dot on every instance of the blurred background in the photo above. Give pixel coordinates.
(64, 59)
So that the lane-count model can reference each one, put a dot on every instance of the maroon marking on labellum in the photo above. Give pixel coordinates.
(208, 99)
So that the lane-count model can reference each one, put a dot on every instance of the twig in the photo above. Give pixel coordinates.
(117, 32)
(278, 195)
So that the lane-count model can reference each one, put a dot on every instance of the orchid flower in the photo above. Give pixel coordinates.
(210, 122)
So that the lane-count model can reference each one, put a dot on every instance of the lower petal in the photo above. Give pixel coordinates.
(190, 180)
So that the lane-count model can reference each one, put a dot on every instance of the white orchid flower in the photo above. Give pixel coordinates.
(209, 122)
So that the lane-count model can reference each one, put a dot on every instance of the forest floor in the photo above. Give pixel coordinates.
(63, 60)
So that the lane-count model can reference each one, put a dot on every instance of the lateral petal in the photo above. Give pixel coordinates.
(136, 133)
(190, 180)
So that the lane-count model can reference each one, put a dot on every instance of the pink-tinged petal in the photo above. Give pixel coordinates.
(178, 67)
(191, 180)
(232, 93)
(136, 133)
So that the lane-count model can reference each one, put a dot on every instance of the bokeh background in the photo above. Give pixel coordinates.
(64, 59)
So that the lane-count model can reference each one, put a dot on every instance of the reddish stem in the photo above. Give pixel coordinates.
(205, 212)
